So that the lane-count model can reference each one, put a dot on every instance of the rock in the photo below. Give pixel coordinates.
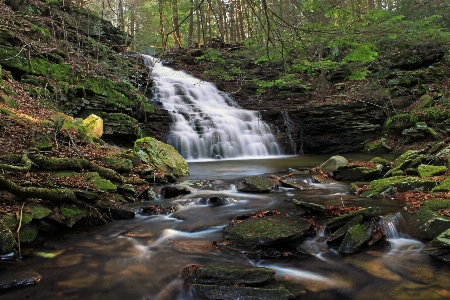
(427, 223)
(388, 186)
(8, 242)
(255, 184)
(368, 212)
(93, 126)
(295, 183)
(438, 253)
(163, 156)
(13, 279)
(172, 191)
(442, 187)
(214, 201)
(227, 274)
(442, 240)
(69, 215)
(355, 237)
(212, 292)
(333, 163)
(344, 229)
(310, 206)
(358, 173)
(430, 170)
(266, 230)
(117, 164)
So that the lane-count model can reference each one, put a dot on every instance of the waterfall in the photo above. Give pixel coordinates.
(207, 123)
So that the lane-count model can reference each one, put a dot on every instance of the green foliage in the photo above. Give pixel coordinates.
(286, 80)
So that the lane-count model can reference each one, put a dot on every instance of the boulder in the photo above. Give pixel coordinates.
(162, 156)
(358, 173)
(171, 191)
(368, 212)
(294, 182)
(344, 229)
(93, 126)
(255, 184)
(266, 230)
(333, 163)
(442, 240)
(427, 223)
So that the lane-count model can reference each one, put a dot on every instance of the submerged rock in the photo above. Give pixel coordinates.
(212, 292)
(266, 230)
(227, 274)
(255, 184)
(13, 279)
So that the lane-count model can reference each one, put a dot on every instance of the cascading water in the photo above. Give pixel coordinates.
(207, 123)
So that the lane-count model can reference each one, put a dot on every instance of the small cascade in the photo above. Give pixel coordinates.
(391, 225)
(207, 123)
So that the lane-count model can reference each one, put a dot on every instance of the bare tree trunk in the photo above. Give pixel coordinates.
(176, 26)
(191, 24)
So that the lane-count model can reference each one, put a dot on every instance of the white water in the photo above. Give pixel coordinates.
(207, 123)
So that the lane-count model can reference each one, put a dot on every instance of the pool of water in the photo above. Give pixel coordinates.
(142, 258)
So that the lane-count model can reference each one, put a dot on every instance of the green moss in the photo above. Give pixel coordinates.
(8, 101)
(443, 187)
(375, 147)
(10, 221)
(6, 112)
(162, 155)
(28, 233)
(43, 67)
(430, 170)
(387, 186)
(64, 174)
(354, 238)
(100, 183)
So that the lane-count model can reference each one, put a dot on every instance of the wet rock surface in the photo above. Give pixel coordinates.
(17, 278)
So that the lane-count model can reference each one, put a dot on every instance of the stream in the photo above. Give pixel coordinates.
(142, 258)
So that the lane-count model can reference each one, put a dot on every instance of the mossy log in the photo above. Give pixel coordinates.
(25, 164)
(50, 163)
(53, 194)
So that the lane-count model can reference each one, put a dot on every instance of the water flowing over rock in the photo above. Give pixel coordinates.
(207, 123)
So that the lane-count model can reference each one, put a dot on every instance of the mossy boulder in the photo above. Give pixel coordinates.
(375, 148)
(333, 163)
(355, 237)
(368, 212)
(93, 126)
(427, 223)
(388, 186)
(343, 230)
(162, 156)
(69, 215)
(255, 184)
(266, 230)
(7, 240)
(430, 170)
(28, 233)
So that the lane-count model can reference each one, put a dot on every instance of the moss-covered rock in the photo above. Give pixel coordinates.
(343, 230)
(355, 237)
(161, 155)
(368, 212)
(427, 223)
(117, 163)
(429, 170)
(100, 183)
(255, 184)
(388, 186)
(358, 173)
(28, 233)
(7, 240)
(267, 230)
(443, 187)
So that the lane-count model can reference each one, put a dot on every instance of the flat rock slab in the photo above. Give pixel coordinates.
(228, 274)
(255, 184)
(213, 292)
(266, 230)
(13, 279)
(295, 183)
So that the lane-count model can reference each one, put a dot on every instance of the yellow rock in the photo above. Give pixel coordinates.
(93, 126)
